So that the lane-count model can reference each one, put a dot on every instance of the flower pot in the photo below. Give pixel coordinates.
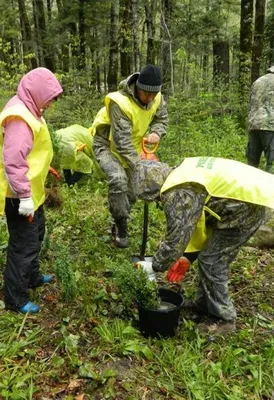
(161, 322)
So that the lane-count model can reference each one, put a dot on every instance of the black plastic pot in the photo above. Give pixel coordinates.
(161, 323)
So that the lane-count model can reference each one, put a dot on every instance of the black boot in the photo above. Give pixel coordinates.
(120, 233)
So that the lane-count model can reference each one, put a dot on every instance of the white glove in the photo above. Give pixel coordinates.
(147, 267)
(26, 207)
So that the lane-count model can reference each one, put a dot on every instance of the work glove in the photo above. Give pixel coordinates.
(54, 173)
(26, 207)
(178, 270)
(147, 267)
(149, 156)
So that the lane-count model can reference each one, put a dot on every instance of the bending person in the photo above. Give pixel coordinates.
(212, 206)
(75, 151)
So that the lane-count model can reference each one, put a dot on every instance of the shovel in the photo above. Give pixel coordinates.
(148, 154)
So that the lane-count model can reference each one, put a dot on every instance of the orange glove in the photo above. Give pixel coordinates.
(178, 270)
(149, 156)
(54, 173)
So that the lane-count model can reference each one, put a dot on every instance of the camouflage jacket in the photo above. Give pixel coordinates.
(183, 206)
(121, 125)
(261, 104)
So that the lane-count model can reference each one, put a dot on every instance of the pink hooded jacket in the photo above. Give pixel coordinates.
(35, 90)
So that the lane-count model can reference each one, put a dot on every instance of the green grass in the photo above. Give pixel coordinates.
(85, 343)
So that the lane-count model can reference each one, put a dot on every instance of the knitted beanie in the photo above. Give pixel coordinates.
(150, 79)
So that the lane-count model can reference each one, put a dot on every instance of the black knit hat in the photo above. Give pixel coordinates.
(150, 79)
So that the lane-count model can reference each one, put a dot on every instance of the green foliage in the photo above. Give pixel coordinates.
(121, 339)
(65, 273)
(17, 384)
(16, 381)
(202, 126)
(134, 287)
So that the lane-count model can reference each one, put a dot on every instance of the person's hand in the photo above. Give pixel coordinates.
(149, 156)
(153, 138)
(178, 270)
(147, 267)
(26, 206)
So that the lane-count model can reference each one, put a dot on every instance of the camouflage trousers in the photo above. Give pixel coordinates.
(120, 192)
(239, 221)
(261, 142)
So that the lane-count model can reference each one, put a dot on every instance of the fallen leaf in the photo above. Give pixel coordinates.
(51, 298)
(80, 397)
(74, 384)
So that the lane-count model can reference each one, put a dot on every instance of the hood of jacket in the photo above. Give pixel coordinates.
(37, 88)
(148, 179)
(128, 88)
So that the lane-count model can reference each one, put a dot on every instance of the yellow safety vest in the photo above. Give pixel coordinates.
(69, 140)
(140, 119)
(38, 160)
(225, 179)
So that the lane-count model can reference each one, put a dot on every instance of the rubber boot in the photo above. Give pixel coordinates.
(120, 234)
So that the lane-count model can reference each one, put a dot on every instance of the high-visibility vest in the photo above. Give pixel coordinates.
(225, 179)
(38, 160)
(139, 117)
(70, 139)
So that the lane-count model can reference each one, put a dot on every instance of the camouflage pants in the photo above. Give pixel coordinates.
(120, 192)
(239, 221)
(261, 142)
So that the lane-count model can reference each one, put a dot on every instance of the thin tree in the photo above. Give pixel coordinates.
(167, 58)
(126, 40)
(270, 32)
(45, 55)
(245, 44)
(82, 39)
(220, 62)
(258, 42)
(26, 34)
(136, 52)
(113, 52)
(150, 12)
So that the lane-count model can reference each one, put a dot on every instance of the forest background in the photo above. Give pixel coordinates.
(85, 343)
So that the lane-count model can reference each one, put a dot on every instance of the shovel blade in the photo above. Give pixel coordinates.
(136, 259)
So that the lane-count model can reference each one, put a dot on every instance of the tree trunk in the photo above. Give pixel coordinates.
(26, 34)
(64, 45)
(126, 37)
(150, 24)
(81, 65)
(136, 52)
(258, 39)
(46, 57)
(220, 62)
(49, 4)
(245, 44)
(270, 32)
(167, 61)
(113, 52)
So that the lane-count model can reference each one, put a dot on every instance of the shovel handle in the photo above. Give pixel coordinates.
(146, 149)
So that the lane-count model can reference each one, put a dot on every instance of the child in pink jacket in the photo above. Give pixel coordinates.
(26, 153)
